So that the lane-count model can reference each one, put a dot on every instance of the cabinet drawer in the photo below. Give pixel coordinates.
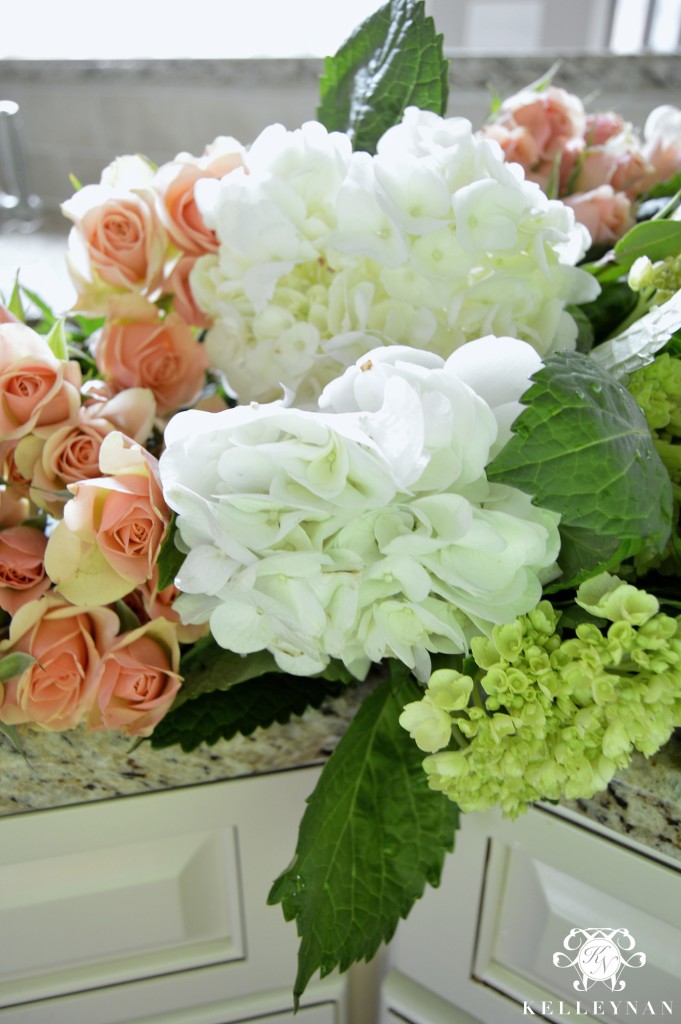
(624, 912)
(134, 888)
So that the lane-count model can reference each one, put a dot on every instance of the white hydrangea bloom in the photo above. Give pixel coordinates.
(325, 253)
(366, 528)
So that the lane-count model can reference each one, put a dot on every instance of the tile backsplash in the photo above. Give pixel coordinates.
(79, 115)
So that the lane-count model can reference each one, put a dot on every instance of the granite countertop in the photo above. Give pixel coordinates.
(642, 803)
(58, 769)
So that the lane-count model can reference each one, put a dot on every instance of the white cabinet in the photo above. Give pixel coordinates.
(489, 944)
(152, 909)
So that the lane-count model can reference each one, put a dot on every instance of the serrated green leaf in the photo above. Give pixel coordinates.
(373, 834)
(207, 667)
(242, 709)
(582, 448)
(58, 341)
(170, 558)
(14, 664)
(656, 239)
(393, 60)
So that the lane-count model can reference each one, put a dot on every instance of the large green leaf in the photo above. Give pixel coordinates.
(393, 60)
(656, 239)
(241, 709)
(582, 448)
(206, 667)
(373, 834)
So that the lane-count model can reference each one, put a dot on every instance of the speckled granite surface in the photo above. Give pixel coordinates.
(71, 768)
(643, 803)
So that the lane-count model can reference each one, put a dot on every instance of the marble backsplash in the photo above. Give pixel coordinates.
(79, 115)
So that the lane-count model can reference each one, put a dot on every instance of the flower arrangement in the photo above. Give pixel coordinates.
(361, 395)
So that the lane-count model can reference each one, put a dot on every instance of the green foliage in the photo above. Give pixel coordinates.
(15, 305)
(57, 340)
(207, 667)
(665, 189)
(170, 558)
(391, 61)
(582, 448)
(10, 731)
(612, 307)
(372, 836)
(655, 239)
(221, 715)
(14, 664)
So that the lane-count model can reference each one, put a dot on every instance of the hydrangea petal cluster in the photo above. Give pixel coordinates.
(549, 717)
(364, 529)
(325, 253)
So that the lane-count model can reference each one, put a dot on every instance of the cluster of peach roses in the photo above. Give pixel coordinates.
(82, 514)
(598, 164)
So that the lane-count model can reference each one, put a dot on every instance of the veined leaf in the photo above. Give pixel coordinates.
(582, 447)
(656, 239)
(207, 667)
(260, 702)
(373, 834)
(393, 60)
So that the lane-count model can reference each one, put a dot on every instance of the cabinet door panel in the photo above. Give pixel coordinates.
(535, 897)
(128, 889)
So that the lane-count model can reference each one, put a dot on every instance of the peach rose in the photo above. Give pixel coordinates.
(139, 680)
(64, 456)
(632, 174)
(552, 116)
(113, 527)
(117, 242)
(518, 144)
(68, 643)
(606, 213)
(14, 507)
(184, 303)
(16, 483)
(36, 388)
(175, 185)
(22, 570)
(602, 126)
(140, 348)
(132, 411)
(149, 603)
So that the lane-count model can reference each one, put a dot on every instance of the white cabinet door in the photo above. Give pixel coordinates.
(167, 884)
(324, 1003)
(511, 893)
